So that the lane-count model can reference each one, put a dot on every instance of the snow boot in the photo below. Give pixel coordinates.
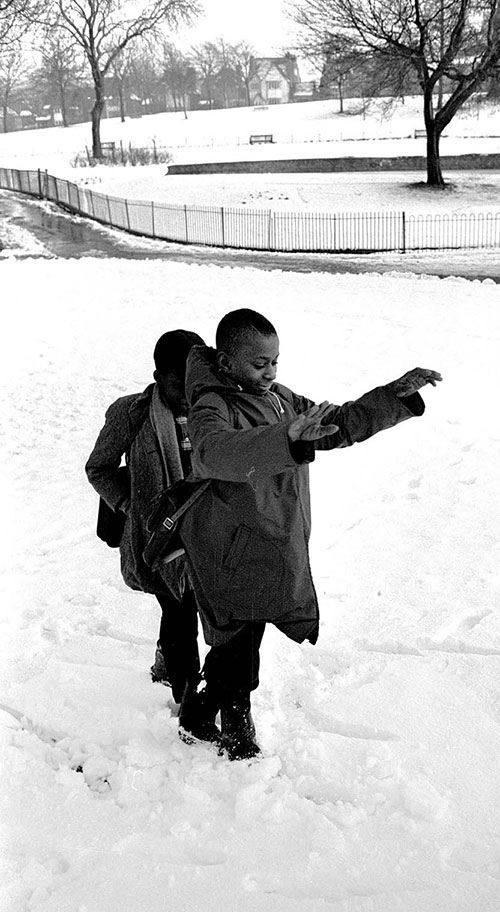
(159, 673)
(197, 716)
(238, 730)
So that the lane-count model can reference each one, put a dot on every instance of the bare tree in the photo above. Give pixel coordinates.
(227, 78)
(246, 65)
(16, 18)
(104, 28)
(453, 41)
(145, 72)
(12, 69)
(120, 71)
(179, 75)
(221, 66)
(60, 67)
(206, 60)
(336, 60)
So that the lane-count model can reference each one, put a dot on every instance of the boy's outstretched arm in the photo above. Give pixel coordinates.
(357, 420)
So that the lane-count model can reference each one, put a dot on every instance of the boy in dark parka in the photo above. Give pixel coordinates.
(247, 537)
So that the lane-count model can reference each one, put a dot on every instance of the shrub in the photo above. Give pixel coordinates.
(150, 155)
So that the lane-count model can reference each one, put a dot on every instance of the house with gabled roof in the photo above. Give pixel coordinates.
(274, 80)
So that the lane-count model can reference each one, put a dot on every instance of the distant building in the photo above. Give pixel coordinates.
(27, 119)
(274, 80)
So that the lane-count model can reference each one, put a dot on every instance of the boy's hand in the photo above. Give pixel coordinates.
(414, 380)
(314, 423)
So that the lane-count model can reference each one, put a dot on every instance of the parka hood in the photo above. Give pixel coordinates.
(203, 376)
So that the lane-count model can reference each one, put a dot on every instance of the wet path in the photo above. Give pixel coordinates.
(58, 234)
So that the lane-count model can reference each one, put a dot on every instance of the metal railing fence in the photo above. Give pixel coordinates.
(264, 229)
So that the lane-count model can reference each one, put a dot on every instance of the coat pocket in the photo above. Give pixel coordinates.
(251, 577)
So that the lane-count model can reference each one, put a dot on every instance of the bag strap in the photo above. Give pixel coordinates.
(170, 521)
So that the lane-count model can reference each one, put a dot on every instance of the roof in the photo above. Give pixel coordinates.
(286, 66)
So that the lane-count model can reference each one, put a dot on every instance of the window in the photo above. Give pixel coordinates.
(273, 84)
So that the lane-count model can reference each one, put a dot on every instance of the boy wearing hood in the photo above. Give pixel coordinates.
(149, 430)
(247, 536)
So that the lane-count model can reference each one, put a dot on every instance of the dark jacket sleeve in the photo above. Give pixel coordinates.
(228, 454)
(112, 444)
(361, 418)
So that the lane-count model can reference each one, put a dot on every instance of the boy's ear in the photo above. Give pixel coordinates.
(223, 362)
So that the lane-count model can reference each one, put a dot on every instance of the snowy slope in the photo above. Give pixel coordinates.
(379, 786)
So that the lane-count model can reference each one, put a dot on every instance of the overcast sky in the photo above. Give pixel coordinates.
(260, 22)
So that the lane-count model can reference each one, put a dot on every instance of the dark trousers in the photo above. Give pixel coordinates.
(233, 668)
(178, 640)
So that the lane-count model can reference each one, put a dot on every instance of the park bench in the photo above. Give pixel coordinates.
(261, 138)
(420, 134)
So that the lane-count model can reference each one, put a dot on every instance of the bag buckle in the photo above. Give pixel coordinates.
(168, 523)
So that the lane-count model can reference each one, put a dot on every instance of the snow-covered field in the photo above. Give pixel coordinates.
(308, 130)
(379, 785)
(316, 126)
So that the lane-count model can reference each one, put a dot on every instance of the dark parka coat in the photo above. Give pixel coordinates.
(128, 431)
(247, 536)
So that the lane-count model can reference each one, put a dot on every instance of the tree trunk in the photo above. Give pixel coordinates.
(341, 96)
(434, 173)
(62, 99)
(122, 103)
(96, 115)
(5, 118)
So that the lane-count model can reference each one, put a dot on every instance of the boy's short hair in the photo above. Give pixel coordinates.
(236, 326)
(172, 349)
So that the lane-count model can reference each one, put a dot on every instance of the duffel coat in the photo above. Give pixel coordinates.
(247, 536)
(128, 432)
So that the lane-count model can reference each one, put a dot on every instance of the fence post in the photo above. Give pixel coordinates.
(222, 225)
(110, 221)
(126, 213)
(186, 223)
(153, 217)
(40, 191)
(403, 226)
(269, 229)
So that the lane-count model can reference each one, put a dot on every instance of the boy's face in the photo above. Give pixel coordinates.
(254, 365)
(172, 391)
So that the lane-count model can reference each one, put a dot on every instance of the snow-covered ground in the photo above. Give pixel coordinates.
(318, 127)
(471, 191)
(379, 785)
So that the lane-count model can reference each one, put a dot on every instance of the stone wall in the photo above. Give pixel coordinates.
(468, 162)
